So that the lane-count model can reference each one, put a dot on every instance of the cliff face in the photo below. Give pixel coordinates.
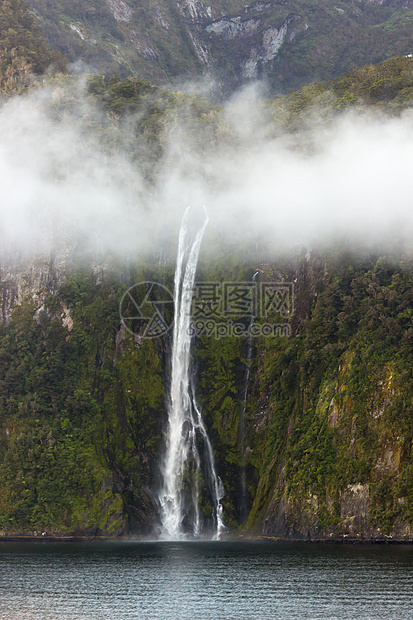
(374, 507)
(301, 521)
(324, 439)
(337, 410)
(283, 43)
(77, 441)
(23, 280)
(311, 428)
(24, 52)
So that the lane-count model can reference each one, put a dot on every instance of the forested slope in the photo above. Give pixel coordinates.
(24, 53)
(283, 43)
(327, 444)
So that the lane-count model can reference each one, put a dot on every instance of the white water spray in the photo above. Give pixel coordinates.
(182, 467)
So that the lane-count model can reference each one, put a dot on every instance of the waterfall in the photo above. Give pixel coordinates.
(182, 467)
(244, 489)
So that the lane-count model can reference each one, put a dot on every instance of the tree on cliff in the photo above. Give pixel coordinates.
(23, 51)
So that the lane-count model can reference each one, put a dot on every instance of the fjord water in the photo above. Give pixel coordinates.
(203, 580)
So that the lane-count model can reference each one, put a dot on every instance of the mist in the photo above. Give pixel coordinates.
(60, 186)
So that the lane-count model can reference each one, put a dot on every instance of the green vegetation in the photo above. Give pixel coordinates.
(80, 414)
(23, 51)
(329, 408)
(337, 396)
(82, 405)
(386, 87)
(160, 40)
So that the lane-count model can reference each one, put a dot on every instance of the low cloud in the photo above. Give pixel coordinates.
(60, 186)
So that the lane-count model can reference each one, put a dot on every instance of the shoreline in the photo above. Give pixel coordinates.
(61, 538)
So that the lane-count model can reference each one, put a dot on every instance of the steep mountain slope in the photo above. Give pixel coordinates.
(23, 51)
(337, 405)
(326, 446)
(285, 43)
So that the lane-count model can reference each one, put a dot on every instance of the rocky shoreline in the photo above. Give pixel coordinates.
(336, 540)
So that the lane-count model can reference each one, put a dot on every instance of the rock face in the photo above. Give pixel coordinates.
(301, 521)
(397, 4)
(121, 11)
(30, 280)
(341, 467)
(351, 512)
(113, 499)
(326, 446)
(284, 43)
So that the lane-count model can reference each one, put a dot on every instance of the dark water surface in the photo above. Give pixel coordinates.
(240, 580)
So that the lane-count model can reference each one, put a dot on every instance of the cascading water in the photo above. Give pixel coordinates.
(244, 490)
(182, 466)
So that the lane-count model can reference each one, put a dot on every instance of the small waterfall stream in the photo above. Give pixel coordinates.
(244, 489)
(183, 469)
